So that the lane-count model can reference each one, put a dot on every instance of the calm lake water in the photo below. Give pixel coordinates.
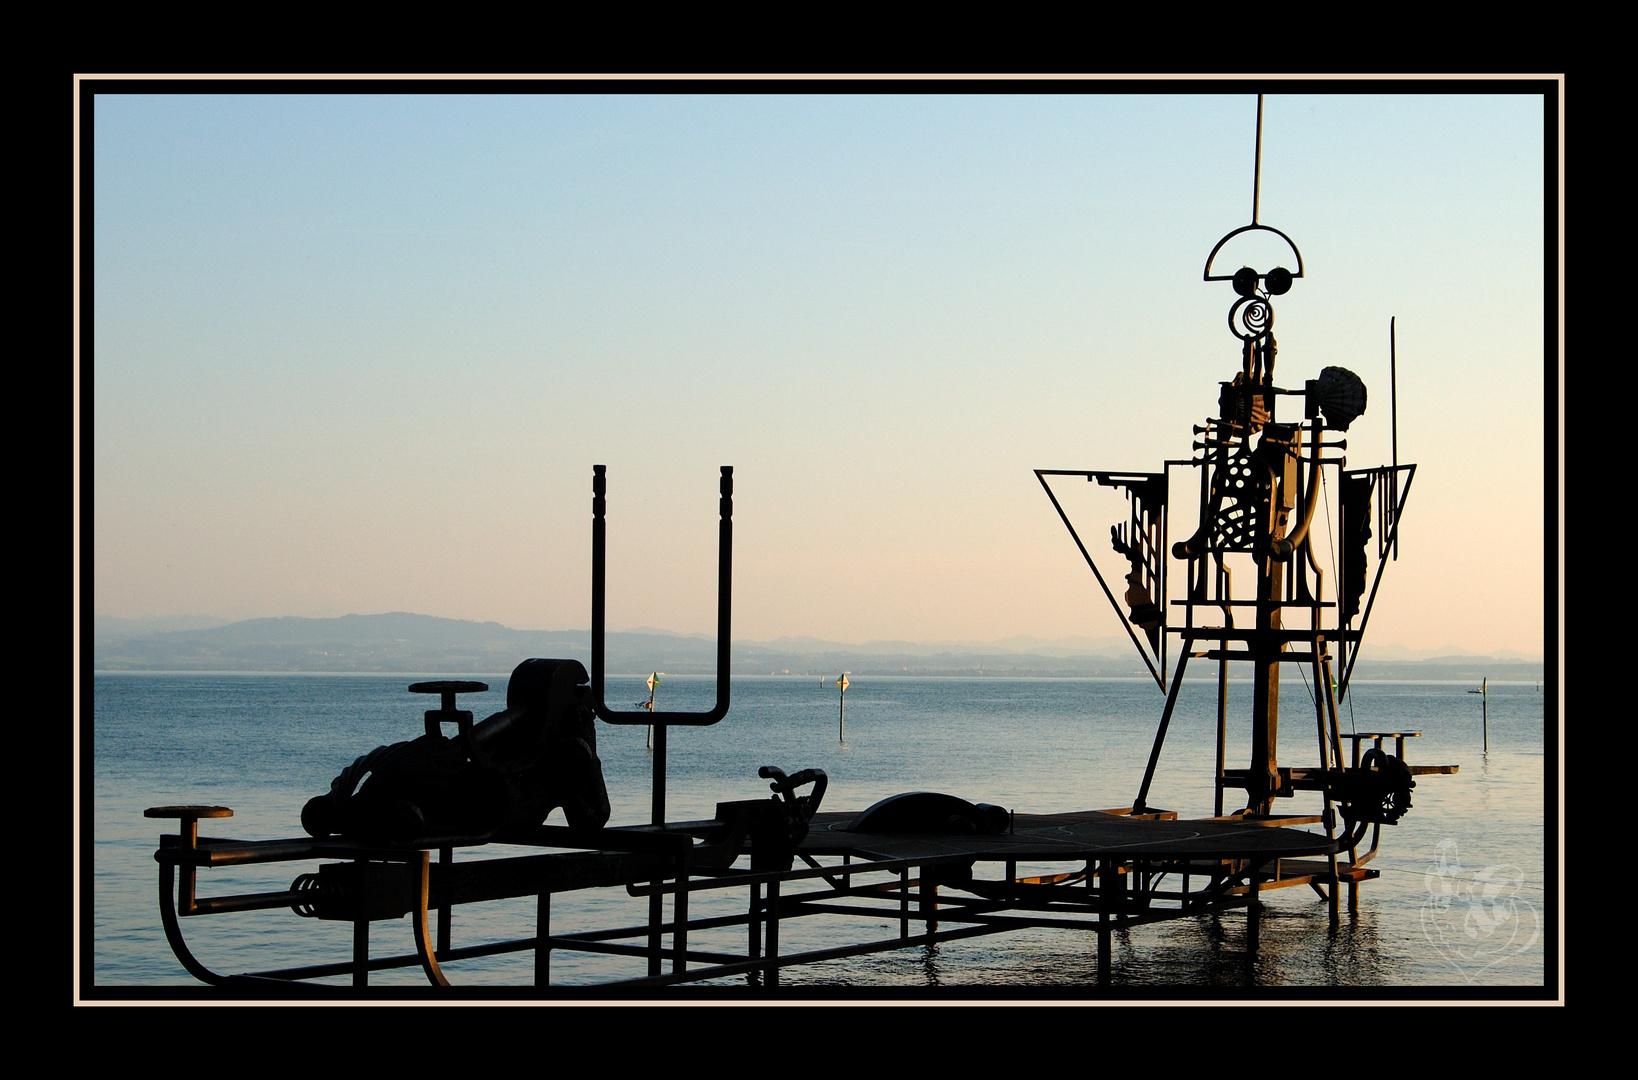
(1462, 903)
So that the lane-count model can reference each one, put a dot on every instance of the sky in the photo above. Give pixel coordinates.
(356, 354)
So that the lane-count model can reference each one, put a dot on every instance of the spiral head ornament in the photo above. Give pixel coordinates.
(1251, 318)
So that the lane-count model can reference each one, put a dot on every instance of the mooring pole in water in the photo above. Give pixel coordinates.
(841, 707)
(1484, 709)
(653, 684)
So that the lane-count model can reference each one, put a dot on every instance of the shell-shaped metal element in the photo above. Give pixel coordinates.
(1340, 395)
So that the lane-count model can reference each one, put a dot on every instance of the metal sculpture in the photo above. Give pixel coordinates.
(510, 771)
(1263, 480)
(1262, 486)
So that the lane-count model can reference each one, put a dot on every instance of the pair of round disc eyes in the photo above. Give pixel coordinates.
(1277, 281)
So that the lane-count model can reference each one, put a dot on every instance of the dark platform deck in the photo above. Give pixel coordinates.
(1085, 834)
(1118, 870)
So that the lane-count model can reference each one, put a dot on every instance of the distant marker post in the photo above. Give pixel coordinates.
(1484, 708)
(653, 682)
(841, 708)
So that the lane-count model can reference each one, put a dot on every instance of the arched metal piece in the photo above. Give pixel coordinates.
(725, 576)
(1209, 276)
(173, 931)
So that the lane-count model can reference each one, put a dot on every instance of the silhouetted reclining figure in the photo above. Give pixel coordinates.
(508, 772)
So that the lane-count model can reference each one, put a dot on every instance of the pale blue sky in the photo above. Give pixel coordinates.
(359, 354)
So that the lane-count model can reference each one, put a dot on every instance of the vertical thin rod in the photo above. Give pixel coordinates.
(1393, 411)
(656, 928)
(1328, 713)
(1254, 911)
(188, 892)
(543, 939)
(1107, 876)
(1336, 721)
(904, 904)
(679, 920)
(1321, 675)
(770, 971)
(1257, 173)
(361, 952)
(1393, 386)
(599, 575)
(1222, 722)
(657, 803)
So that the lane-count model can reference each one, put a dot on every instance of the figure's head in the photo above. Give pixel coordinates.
(553, 686)
(1252, 316)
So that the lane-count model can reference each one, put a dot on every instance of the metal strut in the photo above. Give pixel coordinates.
(661, 720)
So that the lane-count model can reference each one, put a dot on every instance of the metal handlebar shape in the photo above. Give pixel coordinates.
(725, 576)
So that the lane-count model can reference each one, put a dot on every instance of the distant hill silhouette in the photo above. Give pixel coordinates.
(430, 646)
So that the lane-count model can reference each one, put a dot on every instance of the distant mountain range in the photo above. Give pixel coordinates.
(429, 646)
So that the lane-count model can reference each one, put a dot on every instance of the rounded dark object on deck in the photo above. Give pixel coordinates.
(931, 813)
(1245, 281)
(1277, 281)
